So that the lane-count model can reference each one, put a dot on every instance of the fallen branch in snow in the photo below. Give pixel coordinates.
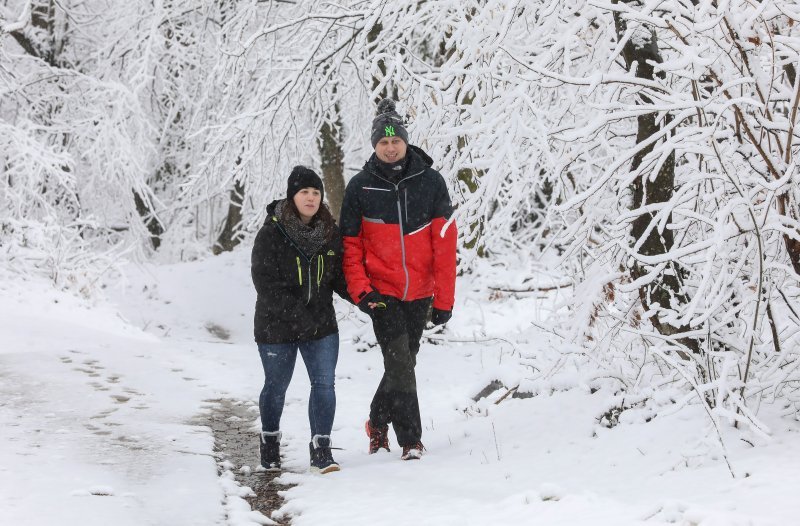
(442, 338)
(494, 385)
(534, 289)
(508, 392)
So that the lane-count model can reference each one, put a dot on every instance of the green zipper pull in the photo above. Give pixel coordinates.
(320, 268)
(299, 270)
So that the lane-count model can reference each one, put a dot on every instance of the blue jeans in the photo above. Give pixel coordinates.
(278, 359)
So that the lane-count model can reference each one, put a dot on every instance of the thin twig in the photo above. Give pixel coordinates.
(794, 117)
(696, 389)
(774, 328)
(505, 395)
(759, 291)
(496, 446)
(788, 304)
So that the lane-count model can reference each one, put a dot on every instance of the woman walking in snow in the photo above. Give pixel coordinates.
(296, 266)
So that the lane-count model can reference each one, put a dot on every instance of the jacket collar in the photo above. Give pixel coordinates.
(271, 207)
(418, 161)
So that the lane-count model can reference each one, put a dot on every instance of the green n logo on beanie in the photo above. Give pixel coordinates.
(389, 130)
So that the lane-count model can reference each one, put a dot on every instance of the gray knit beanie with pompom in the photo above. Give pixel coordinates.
(387, 123)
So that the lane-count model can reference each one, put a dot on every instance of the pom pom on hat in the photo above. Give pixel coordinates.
(386, 106)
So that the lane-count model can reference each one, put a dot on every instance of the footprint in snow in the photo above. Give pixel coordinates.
(104, 414)
(89, 372)
(218, 331)
(97, 491)
(92, 364)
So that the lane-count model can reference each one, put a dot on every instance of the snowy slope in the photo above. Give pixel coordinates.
(100, 406)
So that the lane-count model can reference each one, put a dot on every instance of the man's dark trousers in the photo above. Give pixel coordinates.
(398, 329)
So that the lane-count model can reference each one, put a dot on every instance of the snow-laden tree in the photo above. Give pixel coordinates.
(96, 109)
(295, 71)
(74, 146)
(676, 189)
(661, 139)
(640, 156)
(294, 88)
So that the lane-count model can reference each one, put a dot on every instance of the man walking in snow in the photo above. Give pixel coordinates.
(399, 260)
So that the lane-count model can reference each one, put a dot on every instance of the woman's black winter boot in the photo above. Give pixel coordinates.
(270, 447)
(321, 456)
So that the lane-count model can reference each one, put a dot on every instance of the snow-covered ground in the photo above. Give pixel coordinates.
(100, 406)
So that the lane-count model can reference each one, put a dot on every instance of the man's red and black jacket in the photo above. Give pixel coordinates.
(397, 239)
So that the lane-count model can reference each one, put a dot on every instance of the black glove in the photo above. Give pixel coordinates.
(372, 297)
(440, 317)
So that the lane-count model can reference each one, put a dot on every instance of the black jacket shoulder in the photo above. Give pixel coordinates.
(294, 292)
(418, 197)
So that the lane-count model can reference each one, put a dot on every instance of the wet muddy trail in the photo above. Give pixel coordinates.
(237, 443)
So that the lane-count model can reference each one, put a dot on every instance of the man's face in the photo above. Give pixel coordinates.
(391, 149)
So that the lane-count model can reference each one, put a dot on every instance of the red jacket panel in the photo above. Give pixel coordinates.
(394, 236)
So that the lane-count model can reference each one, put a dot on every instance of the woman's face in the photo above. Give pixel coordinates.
(307, 201)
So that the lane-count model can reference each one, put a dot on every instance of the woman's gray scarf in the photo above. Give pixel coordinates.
(309, 238)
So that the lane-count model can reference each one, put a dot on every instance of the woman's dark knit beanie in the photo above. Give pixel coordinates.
(302, 177)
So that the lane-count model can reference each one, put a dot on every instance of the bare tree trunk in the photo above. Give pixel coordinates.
(667, 290)
(332, 162)
(231, 234)
(470, 177)
(372, 36)
(150, 220)
(43, 17)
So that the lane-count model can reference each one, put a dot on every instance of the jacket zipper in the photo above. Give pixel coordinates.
(402, 247)
(299, 268)
(400, 224)
(300, 277)
(309, 283)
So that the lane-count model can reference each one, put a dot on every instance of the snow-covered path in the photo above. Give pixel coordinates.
(94, 422)
(99, 415)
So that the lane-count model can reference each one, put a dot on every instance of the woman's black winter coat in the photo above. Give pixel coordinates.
(295, 290)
